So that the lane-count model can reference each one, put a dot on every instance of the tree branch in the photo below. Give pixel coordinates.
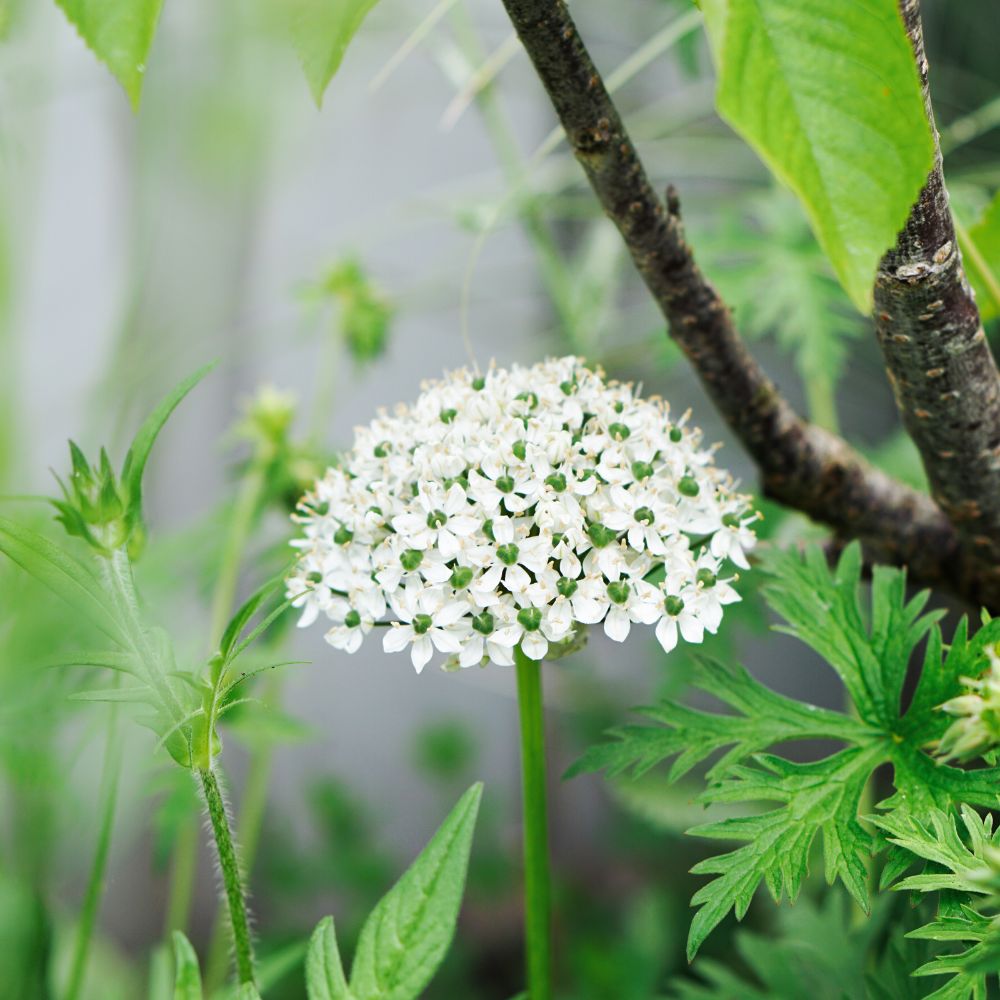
(801, 465)
(944, 377)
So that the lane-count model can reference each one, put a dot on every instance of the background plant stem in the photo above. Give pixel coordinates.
(537, 880)
(232, 881)
(95, 883)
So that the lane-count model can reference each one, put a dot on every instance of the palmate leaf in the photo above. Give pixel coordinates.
(831, 100)
(963, 864)
(817, 801)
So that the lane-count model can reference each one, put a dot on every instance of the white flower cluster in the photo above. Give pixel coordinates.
(510, 508)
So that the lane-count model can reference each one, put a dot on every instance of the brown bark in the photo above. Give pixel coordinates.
(942, 371)
(800, 464)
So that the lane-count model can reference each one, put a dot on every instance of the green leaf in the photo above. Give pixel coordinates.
(142, 444)
(818, 799)
(870, 650)
(120, 33)
(68, 578)
(321, 31)
(324, 971)
(980, 245)
(407, 935)
(832, 103)
(187, 978)
(247, 610)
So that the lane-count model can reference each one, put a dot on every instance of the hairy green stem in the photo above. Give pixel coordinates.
(537, 880)
(232, 880)
(184, 863)
(96, 883)
(249, 821)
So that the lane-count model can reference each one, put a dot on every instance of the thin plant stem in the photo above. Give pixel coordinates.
(232, 880)
(98, 867)
(537, 880)
(248, 823)
(184, 862)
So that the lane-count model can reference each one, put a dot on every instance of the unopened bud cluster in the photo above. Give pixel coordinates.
(510, 508)
(976, 729)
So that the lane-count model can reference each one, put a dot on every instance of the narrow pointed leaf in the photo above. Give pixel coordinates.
(324, 971)
(63, 574)
(187, 978)
(120, 33)
(407, 935)
(321, 31)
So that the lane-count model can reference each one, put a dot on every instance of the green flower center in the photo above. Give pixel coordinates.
(644, 515)
(618, 591)
(642, 470)
(447, 416)
(688, 485)
(566, 586)
(505, 484)
(705, 577)
(352, 619)
(673, 605)
(343, 535)
(483, 623)
(436, 518)
(556, 481)
(520, 449)
(530, 619)
(676, 434)
(507, 554)
(600, 535)
(619, 431)
(411, 559)
(421, 623)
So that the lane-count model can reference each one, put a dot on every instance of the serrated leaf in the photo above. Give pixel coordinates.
(120, 33)
(321, 31)
(324, 971)
(142, 444)
(187, 977)
(407, 935)
(831, 100)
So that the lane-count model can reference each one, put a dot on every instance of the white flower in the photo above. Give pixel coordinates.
(505, 510)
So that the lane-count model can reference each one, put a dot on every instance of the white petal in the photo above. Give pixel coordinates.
(421, 652)
(396, 637)
(666, 633)
(617, 625)
(691, 628)
(535, 645)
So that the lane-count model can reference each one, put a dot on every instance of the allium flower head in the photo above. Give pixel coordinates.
(512, 508)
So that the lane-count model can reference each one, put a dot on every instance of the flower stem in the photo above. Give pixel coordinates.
(537, 890)
(231, 879)
(98, 867)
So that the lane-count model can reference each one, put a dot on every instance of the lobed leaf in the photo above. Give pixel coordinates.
(324, 971)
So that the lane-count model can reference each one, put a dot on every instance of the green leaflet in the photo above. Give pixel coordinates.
(980, 245)
(831, 100)
(324, 971)
(870, 650)
(407, 935)
(120, 33)
(962, 865)
(321, 31)
(187, 978)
